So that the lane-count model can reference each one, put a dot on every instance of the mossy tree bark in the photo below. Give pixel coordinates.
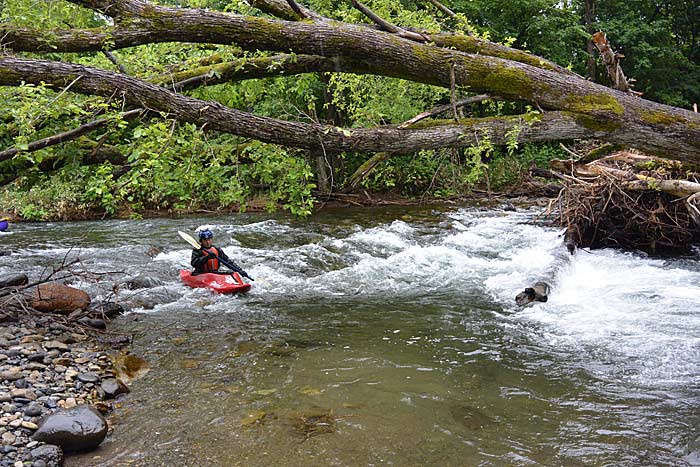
(573, 107)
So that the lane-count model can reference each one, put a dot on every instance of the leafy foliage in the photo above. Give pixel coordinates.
(169, 166)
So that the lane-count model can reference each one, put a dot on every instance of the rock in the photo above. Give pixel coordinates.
(13, 374)
(8, 438)
(13, 280)
(33, 410)
(21, 384)
(50, 454)
(59, 298)
(88, 378)
(113, 387)
(142, 281)
(49, 345)
(23, 394)
(129, 367)
(81, 428)
(29, 425)
(508, 206)
(108, 309)
(93, 323)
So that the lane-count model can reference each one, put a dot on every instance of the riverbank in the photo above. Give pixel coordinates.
(48, 363)
(323, 201)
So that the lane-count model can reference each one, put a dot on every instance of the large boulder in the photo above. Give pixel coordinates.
(80, 428)
(59, 298)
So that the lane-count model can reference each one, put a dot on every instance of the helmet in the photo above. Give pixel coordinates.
(206, 233)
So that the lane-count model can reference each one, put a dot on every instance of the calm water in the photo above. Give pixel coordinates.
(390, 337)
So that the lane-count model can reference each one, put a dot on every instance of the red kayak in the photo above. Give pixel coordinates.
(220, 283)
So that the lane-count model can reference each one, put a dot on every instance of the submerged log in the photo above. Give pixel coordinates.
(539, 292)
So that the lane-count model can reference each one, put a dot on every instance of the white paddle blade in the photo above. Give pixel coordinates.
(188, 238)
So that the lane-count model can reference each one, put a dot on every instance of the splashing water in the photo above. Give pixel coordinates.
(404, 328)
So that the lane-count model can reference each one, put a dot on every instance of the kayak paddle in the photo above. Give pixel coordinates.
(195, 244)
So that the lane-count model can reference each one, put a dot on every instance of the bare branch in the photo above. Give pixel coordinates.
(444, 108)
(684, 138)
(297, 9)
(66, 135)
(387, 26)
(113, 58)
(612, 63)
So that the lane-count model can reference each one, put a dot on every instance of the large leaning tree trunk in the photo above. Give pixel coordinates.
(571, 107)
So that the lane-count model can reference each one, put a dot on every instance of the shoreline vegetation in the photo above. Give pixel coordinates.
(58, 199)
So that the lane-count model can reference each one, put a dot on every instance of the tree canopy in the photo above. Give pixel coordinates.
(179, 103)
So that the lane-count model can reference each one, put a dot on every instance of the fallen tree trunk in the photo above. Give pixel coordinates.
(431, 135)
(587, 110)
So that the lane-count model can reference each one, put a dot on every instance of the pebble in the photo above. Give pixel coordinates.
(33, 410)
(50, 345)
(88, 378)
(44, 366)
(8, 438)
(13, 374)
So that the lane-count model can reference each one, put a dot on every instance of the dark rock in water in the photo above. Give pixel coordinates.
(59, 298)
(51, 455)
(471, 417)
(13, 280)
(150, 298)
(93, 323)
(108, 309)
(142, 281)
(508, 206)
(154, 251)
(113, 387)
(80, 428)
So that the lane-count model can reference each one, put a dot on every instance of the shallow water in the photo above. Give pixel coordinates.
(393, 333)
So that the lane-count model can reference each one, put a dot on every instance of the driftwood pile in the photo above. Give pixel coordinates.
(629, 200)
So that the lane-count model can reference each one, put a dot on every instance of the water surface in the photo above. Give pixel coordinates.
(394, 336)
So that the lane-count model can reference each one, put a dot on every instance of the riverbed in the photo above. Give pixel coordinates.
(389, 336)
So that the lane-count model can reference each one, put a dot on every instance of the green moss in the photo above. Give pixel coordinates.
(595, 103)
(509, 82)
(596, 123)
(656, 117)
(473, 45)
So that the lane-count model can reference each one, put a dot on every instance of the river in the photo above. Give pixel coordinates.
(390, 337)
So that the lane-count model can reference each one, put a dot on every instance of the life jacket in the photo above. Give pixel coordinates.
(211, 265)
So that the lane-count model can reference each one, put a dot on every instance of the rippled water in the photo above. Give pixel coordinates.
(394, 335)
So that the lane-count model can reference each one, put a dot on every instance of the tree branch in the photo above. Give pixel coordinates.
(612, 63)
(112, 58)
(66, 135)
(444, 108)
(551, 126)
(251, 68)
(198, 26)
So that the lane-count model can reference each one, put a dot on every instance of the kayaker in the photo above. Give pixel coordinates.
(205, 259)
